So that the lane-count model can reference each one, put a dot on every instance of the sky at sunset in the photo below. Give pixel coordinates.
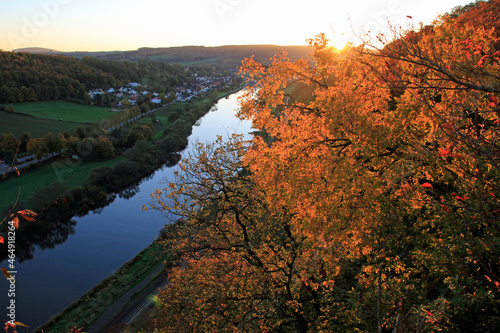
(105, 25)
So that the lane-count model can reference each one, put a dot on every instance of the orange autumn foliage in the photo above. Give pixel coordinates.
(347, 180)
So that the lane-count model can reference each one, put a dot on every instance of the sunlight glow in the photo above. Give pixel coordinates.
(64, 25)
(339, 41)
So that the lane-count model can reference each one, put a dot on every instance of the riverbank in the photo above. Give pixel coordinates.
(85, 252)
(112, 294)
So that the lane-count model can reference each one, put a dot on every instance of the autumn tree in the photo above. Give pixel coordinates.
(105, 147)
(368, 199)
(246, 267)
(400, 133)
(37, 147)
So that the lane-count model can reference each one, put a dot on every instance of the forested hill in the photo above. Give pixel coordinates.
(26, 77)
(229, 56)
(36, 74)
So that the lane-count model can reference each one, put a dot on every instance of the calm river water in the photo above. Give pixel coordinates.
(100, 242)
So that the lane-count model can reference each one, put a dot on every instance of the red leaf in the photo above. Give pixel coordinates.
(27, 218)
(493, 99)
(460, 156)
(17, 171)
(18, 323)
(445, 208)
(448, 126)
(16, 222)
(496, 122)
(492, 194)
(443, 152)
(1, 240)
(427, 185)
(28, 212)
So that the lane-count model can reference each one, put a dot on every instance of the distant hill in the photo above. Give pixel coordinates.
(229, 56)
(37, 50)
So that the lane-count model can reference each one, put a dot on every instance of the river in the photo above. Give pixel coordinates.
(100, 242)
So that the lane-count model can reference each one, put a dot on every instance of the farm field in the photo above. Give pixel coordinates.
(40, 118)
(56, 110)
(72, 174)
(36, 127)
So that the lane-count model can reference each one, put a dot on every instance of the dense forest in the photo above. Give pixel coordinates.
(367, 202)
(31, 76)
(28, 77)
(228, 57)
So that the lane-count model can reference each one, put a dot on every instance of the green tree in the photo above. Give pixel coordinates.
(53, 142)
(24, 138)
(9, 142)
(37, 147)
(105, 147)
(171, 97)
(9, 157)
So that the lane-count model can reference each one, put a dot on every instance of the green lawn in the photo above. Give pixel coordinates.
(36, 127)
(72, 173)
(56, 110)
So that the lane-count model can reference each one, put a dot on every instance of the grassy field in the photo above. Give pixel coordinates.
(36, 127)
(70, 173)
(56, 110)
(40, 118)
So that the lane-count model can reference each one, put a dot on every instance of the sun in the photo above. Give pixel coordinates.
(339, 40)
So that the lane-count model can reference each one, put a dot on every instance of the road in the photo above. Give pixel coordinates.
(25, 161)
(128, 307)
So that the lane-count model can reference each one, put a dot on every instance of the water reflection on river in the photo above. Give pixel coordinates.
(100, 242)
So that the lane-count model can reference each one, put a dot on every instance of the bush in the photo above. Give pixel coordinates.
(10, 108)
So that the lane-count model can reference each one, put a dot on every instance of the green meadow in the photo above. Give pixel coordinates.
(71, 173)
(36, 127)
(40, 118)
(62, 110)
